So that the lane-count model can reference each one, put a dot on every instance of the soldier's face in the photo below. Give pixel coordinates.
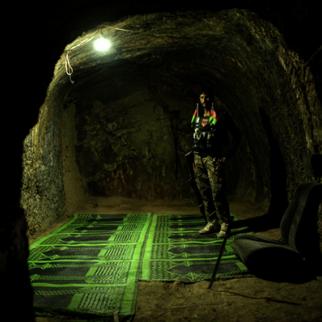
(202, 98)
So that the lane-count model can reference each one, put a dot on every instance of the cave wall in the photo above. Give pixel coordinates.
(42, 195)
(75, 195)
(128, 144)
(52, 186)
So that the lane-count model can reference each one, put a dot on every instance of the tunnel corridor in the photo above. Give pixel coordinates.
(113, 130)
(120, 124)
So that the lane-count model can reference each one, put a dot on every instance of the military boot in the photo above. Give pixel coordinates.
(211, 227)
(223, 230)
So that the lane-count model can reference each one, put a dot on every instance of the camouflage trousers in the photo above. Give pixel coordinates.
(209, 176)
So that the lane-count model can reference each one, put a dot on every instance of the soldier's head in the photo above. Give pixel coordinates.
(204, 97)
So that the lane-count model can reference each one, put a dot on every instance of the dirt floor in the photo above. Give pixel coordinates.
(239, 299)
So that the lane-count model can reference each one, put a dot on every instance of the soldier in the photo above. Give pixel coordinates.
(215, 138)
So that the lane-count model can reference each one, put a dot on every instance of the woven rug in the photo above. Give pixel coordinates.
(90, 266)
(175, 251)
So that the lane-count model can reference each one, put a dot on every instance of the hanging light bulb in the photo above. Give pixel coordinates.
(102, 44)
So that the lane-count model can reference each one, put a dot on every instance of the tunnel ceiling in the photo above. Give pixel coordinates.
(158, 65)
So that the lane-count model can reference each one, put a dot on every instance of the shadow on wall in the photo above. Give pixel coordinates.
(279, 199)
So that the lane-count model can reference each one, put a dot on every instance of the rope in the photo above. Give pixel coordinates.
(68, 68)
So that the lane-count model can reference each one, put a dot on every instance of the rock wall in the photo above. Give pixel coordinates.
(42, 195)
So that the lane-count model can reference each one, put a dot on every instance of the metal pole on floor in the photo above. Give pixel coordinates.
(222, 249)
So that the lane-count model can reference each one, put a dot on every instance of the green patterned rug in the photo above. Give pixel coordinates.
(174, 251)
(90, 266)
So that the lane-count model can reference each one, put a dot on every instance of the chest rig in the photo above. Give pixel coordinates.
(204, 122)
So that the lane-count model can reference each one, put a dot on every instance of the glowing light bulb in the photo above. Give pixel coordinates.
(102, 44)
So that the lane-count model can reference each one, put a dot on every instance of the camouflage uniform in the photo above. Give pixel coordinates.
(209, 176)
(211, 147)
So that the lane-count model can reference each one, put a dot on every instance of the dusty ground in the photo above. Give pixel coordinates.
(239, 299)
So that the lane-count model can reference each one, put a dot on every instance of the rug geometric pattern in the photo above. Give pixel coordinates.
(175, 251)
(90, 266)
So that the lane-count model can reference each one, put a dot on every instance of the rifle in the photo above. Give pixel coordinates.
(190, 159)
